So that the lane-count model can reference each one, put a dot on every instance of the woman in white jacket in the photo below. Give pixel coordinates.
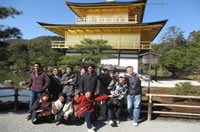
(62, 108)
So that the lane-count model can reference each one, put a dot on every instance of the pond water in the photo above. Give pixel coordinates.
(11, 92)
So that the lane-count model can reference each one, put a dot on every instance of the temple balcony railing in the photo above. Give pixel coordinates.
(145, 45)
(106, 20)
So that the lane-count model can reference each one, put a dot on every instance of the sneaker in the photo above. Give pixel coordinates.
(117, 121)
(90, 130)
(34, 120)
(135, 124)
(28, 116)
(110, 122)
(57, 123)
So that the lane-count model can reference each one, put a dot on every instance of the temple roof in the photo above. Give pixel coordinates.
(148, 30)
(82, 9)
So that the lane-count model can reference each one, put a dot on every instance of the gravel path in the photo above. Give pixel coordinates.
(169, 83)
(15, 122)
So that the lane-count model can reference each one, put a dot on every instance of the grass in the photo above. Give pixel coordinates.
(194, 77)
(16, 78)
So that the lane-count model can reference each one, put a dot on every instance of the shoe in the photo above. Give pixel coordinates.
(117, 121)
(90, 130)
(34, 120)
(135, 124)
(110, 122)
(28, 117)
(57, 123)
(100, 118)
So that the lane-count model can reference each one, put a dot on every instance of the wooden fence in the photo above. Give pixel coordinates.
(15, 95)
(150, 103)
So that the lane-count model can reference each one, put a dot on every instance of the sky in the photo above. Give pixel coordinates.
(183, 14)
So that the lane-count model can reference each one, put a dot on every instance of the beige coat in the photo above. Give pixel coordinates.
(67, 109)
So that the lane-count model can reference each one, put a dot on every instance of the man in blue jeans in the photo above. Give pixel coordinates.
(134, 97)
(37, 85)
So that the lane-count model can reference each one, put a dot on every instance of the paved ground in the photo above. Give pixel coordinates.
(168, 83)
(15, 122)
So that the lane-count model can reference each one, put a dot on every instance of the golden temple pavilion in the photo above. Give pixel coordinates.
(120, 23)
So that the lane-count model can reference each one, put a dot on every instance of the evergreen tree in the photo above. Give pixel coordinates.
(91, 51)
(7, 32)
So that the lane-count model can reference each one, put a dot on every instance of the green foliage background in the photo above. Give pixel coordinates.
(179, 55)
(184, 88)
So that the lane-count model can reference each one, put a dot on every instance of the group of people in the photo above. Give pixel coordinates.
(100, 94)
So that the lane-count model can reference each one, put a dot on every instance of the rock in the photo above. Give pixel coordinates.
(15, 72)
(7, 82)
(22, 83)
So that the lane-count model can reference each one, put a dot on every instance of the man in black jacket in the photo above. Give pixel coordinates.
(104, 79)
(134, 97)
(88, 80)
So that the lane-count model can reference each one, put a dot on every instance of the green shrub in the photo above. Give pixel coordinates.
(184, 88)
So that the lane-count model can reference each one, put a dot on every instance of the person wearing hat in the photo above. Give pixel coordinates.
(118, 92)
(62, 108)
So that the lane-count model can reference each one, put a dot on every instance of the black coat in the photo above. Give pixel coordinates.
(55, 86)
(88, 81)
(103, 81)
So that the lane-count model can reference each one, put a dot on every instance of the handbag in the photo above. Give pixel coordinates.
(76, 112)
(46, 113)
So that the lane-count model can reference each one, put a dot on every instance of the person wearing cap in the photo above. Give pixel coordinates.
(62, 108)
(134, 96)
(118, 92)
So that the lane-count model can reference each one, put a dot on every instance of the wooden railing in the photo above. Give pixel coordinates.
(106, 20)
(113, 44)
(151, 105)
(15, 95)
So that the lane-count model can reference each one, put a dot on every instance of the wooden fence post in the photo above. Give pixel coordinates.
(149, 107)
(16, 99)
